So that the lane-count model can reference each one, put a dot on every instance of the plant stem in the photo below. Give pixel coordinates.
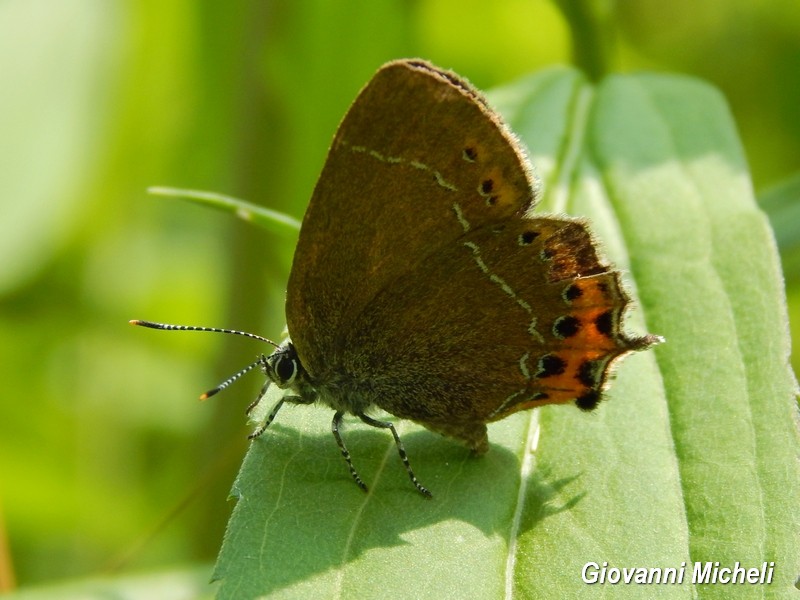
(592, 34)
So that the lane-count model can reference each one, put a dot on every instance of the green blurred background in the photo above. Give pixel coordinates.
(107, 461)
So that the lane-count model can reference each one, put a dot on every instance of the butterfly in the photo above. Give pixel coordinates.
(423, 285)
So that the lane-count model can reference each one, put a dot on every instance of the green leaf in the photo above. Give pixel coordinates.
(187, 583)
(781, 202)
(692, 458)
(271, 220)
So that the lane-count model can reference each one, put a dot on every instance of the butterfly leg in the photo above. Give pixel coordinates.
(400, 450)
(335, 424)
(255, 402)
(263, 427)
(271, 417)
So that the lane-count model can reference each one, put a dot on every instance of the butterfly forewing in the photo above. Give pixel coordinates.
(431, 161)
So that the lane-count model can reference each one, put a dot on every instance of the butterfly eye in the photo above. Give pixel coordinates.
(286, 369)
(282, 366)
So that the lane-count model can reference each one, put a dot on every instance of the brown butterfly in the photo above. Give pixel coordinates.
(422, 285)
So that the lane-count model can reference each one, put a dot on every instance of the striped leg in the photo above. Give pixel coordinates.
(400, 450)
(263, 427)
(335, 424)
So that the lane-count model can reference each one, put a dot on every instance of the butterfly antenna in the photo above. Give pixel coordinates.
(231, 379)
(168, 327)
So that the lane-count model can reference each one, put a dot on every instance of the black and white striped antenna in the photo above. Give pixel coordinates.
(167, 327)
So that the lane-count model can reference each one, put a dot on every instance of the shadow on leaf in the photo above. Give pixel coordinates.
(299, 515)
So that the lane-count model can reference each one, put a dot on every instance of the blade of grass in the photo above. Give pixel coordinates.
(271, 220)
